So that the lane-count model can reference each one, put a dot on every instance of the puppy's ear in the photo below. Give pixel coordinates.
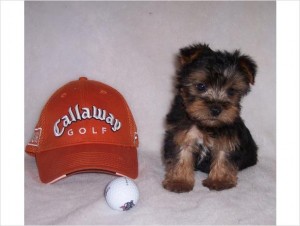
(190, 53)
(248, 67)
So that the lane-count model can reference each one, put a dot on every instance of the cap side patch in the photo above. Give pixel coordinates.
(35, 137)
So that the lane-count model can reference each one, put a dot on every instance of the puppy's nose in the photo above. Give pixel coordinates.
(215, 110)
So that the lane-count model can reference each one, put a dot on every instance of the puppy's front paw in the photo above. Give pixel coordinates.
(218, 184)
(178, 186)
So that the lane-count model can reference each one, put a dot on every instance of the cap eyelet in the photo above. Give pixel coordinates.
(63, 95)
(102, 91)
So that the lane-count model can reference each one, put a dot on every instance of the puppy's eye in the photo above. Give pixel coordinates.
(201, 87)
(231, 92)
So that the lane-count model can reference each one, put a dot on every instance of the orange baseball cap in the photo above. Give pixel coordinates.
(85, 126)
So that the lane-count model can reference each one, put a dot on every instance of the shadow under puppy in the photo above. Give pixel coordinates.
(205, 130)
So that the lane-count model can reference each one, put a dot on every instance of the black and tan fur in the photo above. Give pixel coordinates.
(205, 130)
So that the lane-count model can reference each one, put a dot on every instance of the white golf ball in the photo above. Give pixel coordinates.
(121, 194)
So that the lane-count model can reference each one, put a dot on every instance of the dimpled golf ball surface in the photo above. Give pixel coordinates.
(121, 194)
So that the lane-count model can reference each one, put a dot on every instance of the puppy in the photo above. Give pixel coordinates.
(204, 128)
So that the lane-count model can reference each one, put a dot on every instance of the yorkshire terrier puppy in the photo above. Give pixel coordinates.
(204, 128)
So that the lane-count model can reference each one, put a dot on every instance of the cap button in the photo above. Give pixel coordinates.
(83, 78)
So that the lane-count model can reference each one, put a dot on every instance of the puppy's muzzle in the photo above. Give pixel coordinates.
(215, 110)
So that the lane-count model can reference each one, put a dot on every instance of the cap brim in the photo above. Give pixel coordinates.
(57, 163)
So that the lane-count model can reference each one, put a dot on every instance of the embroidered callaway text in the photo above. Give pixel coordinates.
(78, 114)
